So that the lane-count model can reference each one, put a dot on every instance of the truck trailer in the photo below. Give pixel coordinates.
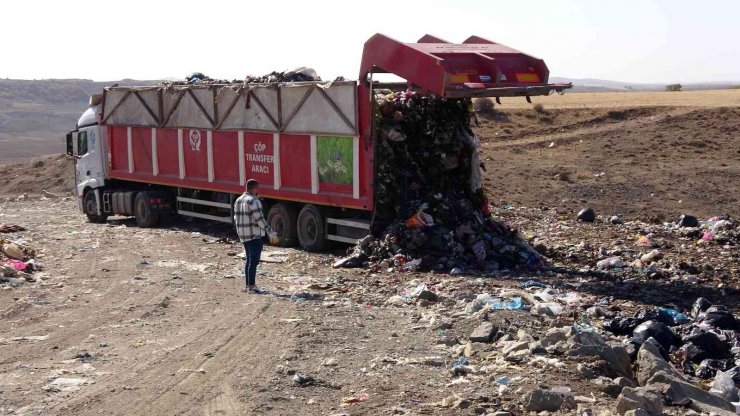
(188, 149)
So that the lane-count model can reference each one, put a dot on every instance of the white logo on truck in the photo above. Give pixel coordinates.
(195, 140)
(260, 162)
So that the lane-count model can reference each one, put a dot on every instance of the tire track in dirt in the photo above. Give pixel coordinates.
(204, 377)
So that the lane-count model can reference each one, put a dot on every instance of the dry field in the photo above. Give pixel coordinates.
(709, 98)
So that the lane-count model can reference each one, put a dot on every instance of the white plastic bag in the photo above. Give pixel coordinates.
(724, 386)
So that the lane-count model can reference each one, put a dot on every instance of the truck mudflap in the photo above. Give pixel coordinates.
(475, 68)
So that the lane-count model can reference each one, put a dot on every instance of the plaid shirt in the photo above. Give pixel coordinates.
(248, 218)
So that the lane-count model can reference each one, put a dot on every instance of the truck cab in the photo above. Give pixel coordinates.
(86, 145)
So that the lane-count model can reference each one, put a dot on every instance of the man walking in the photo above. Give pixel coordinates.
(252, 229)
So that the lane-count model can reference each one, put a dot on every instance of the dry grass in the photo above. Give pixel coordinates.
(709, 98)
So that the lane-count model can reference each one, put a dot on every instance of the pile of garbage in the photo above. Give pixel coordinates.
(431, 213)
(655, 357)
(719, 229)
(302, 74)
(702, 343)
(16, 256)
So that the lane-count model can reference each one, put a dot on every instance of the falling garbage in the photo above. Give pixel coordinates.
(431, 210)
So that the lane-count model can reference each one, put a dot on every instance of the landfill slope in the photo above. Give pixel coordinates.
(643, 162)
(53, 173)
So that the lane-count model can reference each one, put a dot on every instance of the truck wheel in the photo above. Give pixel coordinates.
(311, 229)
(145, 218)
(283, 220)
(91, 208)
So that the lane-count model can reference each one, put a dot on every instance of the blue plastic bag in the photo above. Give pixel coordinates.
(460, 362)
(677, 316)
(515, 303)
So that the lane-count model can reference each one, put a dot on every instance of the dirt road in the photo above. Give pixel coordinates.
(133, 321)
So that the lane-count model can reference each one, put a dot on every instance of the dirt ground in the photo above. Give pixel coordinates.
(53, 173)
(126, 320)
(643, 162)
(123, 320)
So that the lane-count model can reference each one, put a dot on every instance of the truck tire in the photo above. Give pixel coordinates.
(145, 218)
(311, 228)
(283, 219)
(91, 208)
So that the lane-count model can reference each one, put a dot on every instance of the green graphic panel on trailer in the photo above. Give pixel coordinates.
(334, 157)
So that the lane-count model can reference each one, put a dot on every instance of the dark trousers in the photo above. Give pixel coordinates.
(253, 249)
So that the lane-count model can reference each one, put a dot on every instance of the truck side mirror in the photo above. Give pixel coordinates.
(70, 145)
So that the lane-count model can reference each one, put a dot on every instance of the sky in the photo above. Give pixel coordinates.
(660, 41)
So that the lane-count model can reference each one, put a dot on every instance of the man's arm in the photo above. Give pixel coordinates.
(258, 217)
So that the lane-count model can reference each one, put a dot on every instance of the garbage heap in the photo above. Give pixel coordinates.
(16, 256)
(704, 344)
(431, 213)
(301, 74)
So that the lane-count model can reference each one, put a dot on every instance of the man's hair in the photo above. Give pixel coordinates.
(251, 184)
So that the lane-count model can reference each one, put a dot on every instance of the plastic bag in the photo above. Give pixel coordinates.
(707, 345)
(18, 265)
(717, 317)
(660, 331)
(412, 265)
(12, 251)
(515, 303)
(678, 317)
(548, 308)
(700, 305)
(622, 325)
(724, 386)
(417, 291)
(460, 362)
(611, 263)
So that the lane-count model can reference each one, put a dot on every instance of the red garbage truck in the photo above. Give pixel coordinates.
(188, 149)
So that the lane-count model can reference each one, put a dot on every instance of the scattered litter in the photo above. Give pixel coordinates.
(356, 399)
(11, 228)
(66, 384)
(30, 338)
(611, 263)
(460, 362)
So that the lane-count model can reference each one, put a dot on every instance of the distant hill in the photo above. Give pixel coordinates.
(47, 107)
(35, 115)
(602, 85)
